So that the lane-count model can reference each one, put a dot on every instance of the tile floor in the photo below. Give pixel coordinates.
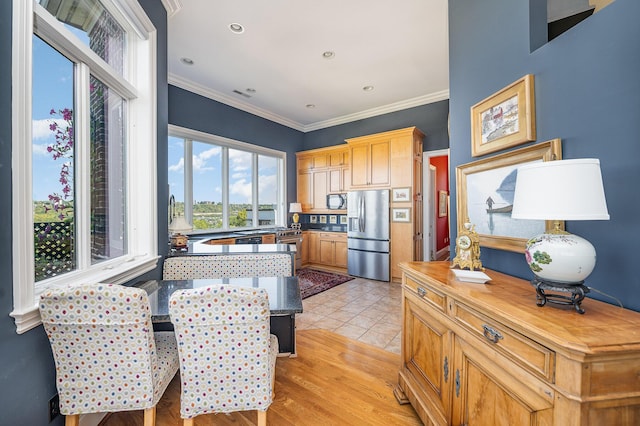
(361, 309)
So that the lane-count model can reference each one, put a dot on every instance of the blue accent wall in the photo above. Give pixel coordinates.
(587, 93)
(430, 118)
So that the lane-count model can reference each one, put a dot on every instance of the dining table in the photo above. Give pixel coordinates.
(285, 302)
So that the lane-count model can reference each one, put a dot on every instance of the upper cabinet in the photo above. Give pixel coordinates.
(370, 162)
(381, 160)
(320, 172)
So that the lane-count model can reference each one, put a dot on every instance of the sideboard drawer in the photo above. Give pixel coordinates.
(437, 300)
(538, 359)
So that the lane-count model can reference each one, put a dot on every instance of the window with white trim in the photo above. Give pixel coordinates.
(84, 198)
(220, 184)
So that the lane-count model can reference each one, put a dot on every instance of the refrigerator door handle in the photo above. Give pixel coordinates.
(361, 215)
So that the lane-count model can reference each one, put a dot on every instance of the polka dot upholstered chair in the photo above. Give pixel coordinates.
(227, 356)
(107, 356)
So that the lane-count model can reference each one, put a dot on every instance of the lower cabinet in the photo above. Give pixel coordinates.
(486, 354)
(333, 249)
(327, 249)
(304, 248)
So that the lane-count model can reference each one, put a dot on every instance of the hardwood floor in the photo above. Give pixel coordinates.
(333, 381)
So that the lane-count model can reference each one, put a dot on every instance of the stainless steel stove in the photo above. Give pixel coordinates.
(291, 236)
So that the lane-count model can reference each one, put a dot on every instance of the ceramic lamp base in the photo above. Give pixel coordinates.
(560, 257)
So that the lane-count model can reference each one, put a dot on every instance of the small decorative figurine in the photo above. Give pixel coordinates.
(468, 249)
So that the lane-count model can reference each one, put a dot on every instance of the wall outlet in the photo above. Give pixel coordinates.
(54, 407)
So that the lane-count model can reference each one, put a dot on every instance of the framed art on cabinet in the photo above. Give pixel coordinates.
(485, 196)
(505, 119)
(401, 214)
(401, 194)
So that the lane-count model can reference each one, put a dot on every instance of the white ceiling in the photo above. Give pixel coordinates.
(400, 47)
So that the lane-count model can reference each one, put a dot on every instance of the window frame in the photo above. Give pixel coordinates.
(140, 88)
(190, 135)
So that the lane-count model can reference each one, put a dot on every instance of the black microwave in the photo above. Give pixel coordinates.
(337, 201)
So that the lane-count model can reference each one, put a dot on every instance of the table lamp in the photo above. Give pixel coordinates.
(560, 190)
(177, 228)
(295, 208)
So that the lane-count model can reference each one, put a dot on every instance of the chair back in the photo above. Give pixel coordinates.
(223, 343)
(227, 266)
(103, 345)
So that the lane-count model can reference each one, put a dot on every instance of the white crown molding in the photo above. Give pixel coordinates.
(241, 105)
(227, 100)
(172, 7)
(385, 109)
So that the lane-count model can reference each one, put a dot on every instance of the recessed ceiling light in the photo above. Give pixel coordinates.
(186, 61)
(328, 54)
(310, 106)
(367, 88)
(236, 28)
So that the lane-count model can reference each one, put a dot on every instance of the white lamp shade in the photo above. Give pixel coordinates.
(560, 190)
(179, 225)
(295, 208)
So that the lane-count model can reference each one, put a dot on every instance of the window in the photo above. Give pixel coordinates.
(82, 92)
(219, 184)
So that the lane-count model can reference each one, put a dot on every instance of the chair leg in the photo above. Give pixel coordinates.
(150, 416)
(262, 418)
(72, 420)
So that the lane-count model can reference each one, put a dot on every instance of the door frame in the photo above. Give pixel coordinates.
(429, 212)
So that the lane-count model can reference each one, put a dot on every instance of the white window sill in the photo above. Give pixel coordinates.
(29, 318)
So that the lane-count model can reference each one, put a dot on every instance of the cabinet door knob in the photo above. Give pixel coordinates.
(491, 334)
(422, 292)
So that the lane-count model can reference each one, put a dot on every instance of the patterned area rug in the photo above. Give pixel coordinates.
(313, 281)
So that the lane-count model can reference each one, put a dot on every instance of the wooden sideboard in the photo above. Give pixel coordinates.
(486, 354)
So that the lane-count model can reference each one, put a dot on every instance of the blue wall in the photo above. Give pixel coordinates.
(587, 93)
(430, 118)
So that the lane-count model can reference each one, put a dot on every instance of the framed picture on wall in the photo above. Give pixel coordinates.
(401, 214)
(504, 119)
(484, 198)
(400, 194)
(443, 203)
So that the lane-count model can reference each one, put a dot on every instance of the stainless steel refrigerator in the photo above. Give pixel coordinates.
(368, 234)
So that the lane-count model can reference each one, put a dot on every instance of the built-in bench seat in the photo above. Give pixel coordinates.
(227, 266)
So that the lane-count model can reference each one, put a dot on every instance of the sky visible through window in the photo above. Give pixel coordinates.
(52, 89)
(207, 174)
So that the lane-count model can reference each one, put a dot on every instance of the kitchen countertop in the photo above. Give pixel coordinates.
(325, 228)
(200, 247)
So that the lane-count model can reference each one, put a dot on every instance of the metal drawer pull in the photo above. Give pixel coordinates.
(446, 369)
(491, 334)
(422, 292)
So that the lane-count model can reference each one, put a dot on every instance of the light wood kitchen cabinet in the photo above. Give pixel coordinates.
(333, 249)
(269, 239)
(305, 190)
(221, 241)
(486, 354)
(339, 180)
(304, 248)
(370, 163)
(327, 249)
(321, 172)
(314, 247)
